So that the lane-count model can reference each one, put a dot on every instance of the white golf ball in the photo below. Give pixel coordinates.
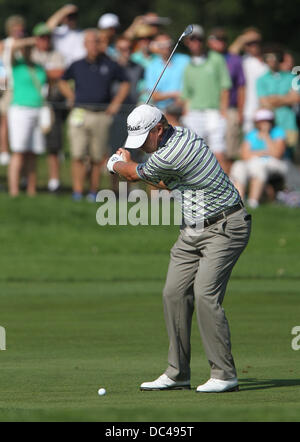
(101, 391)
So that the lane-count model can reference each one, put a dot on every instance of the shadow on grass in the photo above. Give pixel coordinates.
(262, 384)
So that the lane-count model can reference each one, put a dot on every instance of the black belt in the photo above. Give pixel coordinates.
(229, 211)
(213, 219)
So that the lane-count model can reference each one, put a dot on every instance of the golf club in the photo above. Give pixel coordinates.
(188, 30)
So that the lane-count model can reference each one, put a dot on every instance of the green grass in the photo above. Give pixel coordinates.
(82, 309)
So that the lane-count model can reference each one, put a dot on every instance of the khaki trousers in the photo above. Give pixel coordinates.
(88, 134)
(233, 134)
(199, 270)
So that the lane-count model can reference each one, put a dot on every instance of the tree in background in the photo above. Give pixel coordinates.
(277, 19)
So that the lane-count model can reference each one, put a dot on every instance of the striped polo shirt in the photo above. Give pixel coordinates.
(188, 168)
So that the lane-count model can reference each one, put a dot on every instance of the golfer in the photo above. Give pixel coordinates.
(202, 259)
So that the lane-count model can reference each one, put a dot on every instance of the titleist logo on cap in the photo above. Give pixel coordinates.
(135, 128)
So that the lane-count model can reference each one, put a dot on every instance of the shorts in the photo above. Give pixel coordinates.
(118, 134)
(248, 124)
(257, 167)
(24, 130)
(89, 134)
(210, 125)
(118, 130)
(54, 139)
(233, 134)
(291, 138)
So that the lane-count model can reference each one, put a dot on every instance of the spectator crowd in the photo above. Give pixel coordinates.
(241, 97)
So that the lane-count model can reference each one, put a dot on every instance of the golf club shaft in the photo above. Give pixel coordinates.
(165, 67)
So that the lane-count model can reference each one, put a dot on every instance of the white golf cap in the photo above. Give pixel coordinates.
(108, 21)
(139, 123)
(263, 115)
(198, 31)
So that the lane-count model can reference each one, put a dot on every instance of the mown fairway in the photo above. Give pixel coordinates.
(82, 309)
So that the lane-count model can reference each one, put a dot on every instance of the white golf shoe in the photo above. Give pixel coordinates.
(165, 383)
(218, 386)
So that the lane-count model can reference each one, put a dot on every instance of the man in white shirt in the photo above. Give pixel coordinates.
(250, 43)
(109, 23)
(66, 37)
(253, 69)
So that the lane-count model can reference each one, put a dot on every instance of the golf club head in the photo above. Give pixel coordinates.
(188, 30)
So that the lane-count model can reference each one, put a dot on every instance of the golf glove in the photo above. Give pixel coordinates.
(112, 160)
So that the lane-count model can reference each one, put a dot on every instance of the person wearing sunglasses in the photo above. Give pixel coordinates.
(249, 44)
(276, 91)
(218, 41)
(206, 85)
(67, 38)
(170, 86)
